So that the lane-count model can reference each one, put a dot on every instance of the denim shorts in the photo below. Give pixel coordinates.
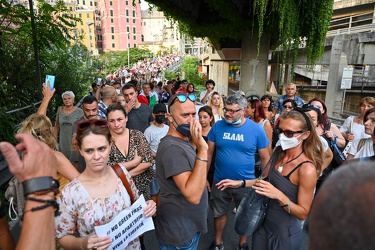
(154, 187)
(220, 200)
(191, 245)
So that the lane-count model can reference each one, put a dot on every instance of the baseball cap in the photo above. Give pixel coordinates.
(160, 107)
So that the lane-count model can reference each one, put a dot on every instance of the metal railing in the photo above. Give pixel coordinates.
(352, 24)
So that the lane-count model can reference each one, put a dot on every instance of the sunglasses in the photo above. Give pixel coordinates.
(97, 123)
(288, 107)
(288, 133)
(182, 97)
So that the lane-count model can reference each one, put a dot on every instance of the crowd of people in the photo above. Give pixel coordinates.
(168, 150)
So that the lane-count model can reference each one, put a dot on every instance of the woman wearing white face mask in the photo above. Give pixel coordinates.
(291, 183)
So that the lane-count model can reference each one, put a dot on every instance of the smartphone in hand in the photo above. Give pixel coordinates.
(51, 80)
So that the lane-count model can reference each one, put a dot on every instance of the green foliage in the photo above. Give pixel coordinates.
(288, 22)
(189, 67)
(19, 91)
(169, 74)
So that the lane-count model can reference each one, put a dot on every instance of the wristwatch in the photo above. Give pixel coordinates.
(40, 185)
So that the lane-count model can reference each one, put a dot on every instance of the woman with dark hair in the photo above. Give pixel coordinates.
(325, 127)
(96, 196)
(267, 104)
(130, 148)
(191, 88)
(353, 127)
(288, 105)
(206, 119)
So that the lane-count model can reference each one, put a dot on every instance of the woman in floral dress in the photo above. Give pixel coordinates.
(96, 196)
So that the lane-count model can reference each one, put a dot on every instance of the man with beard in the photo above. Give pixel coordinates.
(236, 140)
(90, 112)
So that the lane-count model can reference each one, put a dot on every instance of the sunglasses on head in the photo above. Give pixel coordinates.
(182, 97)
(309, 106)
(288, 133)
(97, 123)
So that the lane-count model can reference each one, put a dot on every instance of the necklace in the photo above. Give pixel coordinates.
(280, 168)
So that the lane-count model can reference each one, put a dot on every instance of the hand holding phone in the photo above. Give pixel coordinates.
(50, 80)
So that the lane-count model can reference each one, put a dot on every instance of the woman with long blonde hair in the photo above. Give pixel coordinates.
(217, 105)
(41, 128)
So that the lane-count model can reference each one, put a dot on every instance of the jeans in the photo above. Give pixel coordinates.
(191, 245)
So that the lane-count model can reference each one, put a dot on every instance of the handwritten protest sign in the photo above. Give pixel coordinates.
(127, 225)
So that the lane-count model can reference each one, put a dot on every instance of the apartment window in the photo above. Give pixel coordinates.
(70, 8)
(135, 45)
(144, 23)
(90, 37)
(88, 15)
(128, 45)
(126, 2)
(135, 37)
(127, 12)
(134, 21)
(127, 29)
(95, 4)
(84, 2)
(133, 13)
(127, 20)
(77, 1)
(134, 30)
(80, 22)
(112, 29)
(80, 15)
(90, 3)
(110, 3)
(113, 45)
(111, 20)
(113, 37)
(111, 12)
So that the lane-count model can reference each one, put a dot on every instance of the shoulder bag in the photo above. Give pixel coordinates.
(253, 207)
(120, 173)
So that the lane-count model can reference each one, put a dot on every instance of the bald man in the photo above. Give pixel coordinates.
(109, 96)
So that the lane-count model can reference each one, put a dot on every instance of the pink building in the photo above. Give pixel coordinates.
(117, 24)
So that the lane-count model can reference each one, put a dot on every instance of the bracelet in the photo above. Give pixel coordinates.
(47, 204)
(287, 205)
(200, 159)
(40, 185)
(243, 184)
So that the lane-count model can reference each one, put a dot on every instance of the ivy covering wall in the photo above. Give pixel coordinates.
(288, 22)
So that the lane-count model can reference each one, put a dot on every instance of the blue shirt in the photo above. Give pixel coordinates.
(235, 149)
(282, 98)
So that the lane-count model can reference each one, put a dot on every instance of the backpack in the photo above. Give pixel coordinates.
(14, 194)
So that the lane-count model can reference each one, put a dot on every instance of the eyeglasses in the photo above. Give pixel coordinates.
(230, 111)
(182, 97)
(287, 107)
(288, 133)
(97, 123)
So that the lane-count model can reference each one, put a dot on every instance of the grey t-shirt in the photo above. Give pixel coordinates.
(178, 220)
(140, 118)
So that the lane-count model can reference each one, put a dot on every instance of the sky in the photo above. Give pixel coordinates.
(144, 5)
